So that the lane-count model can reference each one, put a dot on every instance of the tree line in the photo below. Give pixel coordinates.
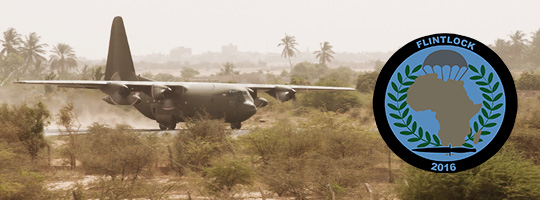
(518, 51)
(25, 56)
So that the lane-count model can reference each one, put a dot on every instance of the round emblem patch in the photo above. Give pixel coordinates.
(445, 103)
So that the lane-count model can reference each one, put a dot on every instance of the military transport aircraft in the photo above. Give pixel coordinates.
(171, 102)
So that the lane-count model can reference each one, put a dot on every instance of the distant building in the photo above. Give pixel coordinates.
(229, 49)
(180, 52)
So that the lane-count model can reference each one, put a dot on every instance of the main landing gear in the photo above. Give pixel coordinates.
(236, 125)
(171, 126)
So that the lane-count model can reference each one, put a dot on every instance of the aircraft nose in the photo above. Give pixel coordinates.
(250, 108)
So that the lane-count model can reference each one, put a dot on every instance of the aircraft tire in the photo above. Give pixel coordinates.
(236, 125)
(172, 126)
(162, 127)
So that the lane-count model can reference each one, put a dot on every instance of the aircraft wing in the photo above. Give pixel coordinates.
(69, 83)
(139, 84)
(266, 87)
(100, 84)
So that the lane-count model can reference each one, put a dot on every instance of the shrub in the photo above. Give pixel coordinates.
(507, 175)
(304, 159)
(344, 74)
(117, 189)
(365, 82)
(203, 140)
(24, 124)
(528, 140)
(309, 71)
(17, 179)
(336, 101)
(226, 175)
(115, 152)
(528, 81)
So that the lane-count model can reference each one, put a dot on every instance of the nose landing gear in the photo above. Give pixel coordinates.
(166, 122)
(170, 126)
(236, 125)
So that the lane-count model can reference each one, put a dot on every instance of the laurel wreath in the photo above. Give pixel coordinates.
(402, 113)
(490, 98)
(486, 85)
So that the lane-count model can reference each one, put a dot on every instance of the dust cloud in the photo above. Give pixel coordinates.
(87, 103)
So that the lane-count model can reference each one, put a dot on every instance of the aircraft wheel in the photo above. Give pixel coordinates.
(236, 125)
(167, 127)
(162, 127)
(172, 126)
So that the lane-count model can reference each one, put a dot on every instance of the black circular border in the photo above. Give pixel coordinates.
(426, 164)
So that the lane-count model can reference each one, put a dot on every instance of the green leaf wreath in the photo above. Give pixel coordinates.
(489, 104)
(424, 138)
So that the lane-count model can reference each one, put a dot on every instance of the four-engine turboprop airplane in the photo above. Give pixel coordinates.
(171, 102)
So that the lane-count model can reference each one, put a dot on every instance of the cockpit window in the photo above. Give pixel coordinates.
(243, 96)
(231, 93)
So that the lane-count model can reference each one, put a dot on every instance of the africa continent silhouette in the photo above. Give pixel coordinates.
(448, 99)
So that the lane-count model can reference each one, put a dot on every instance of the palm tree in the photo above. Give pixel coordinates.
(534, 51)
(63, 58)
(32, 53)
(288, 43)
(502, 48)
(32, 50)
(228, 69)
(518, 45)
(37, 68)
(11, 42)
(325, 54)
(518, 40)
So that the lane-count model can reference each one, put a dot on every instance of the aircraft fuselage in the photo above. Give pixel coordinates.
(229, 102)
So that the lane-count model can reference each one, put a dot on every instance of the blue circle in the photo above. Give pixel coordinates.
(426, 119)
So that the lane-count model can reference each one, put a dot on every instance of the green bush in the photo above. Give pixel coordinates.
(507, 175)
(24, 125)
(309, 157)
(226, 175)
(344, 74)
(17, 179)
(117, 189)
(115, 152)
(528, 81)
(528, 140)
(204, 140)
(309, 71)
(336, 101)
(365, 82)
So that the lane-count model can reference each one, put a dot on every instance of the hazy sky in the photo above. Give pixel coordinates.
(253, 25)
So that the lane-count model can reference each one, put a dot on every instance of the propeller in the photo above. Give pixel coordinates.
(284, 94)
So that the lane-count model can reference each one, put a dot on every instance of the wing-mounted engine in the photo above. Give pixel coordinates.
(160, 92)
(164, 94)
(258, 101)
(120, 94)
(282, 93)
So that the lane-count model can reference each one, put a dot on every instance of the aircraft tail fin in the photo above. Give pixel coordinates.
(119, 62)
